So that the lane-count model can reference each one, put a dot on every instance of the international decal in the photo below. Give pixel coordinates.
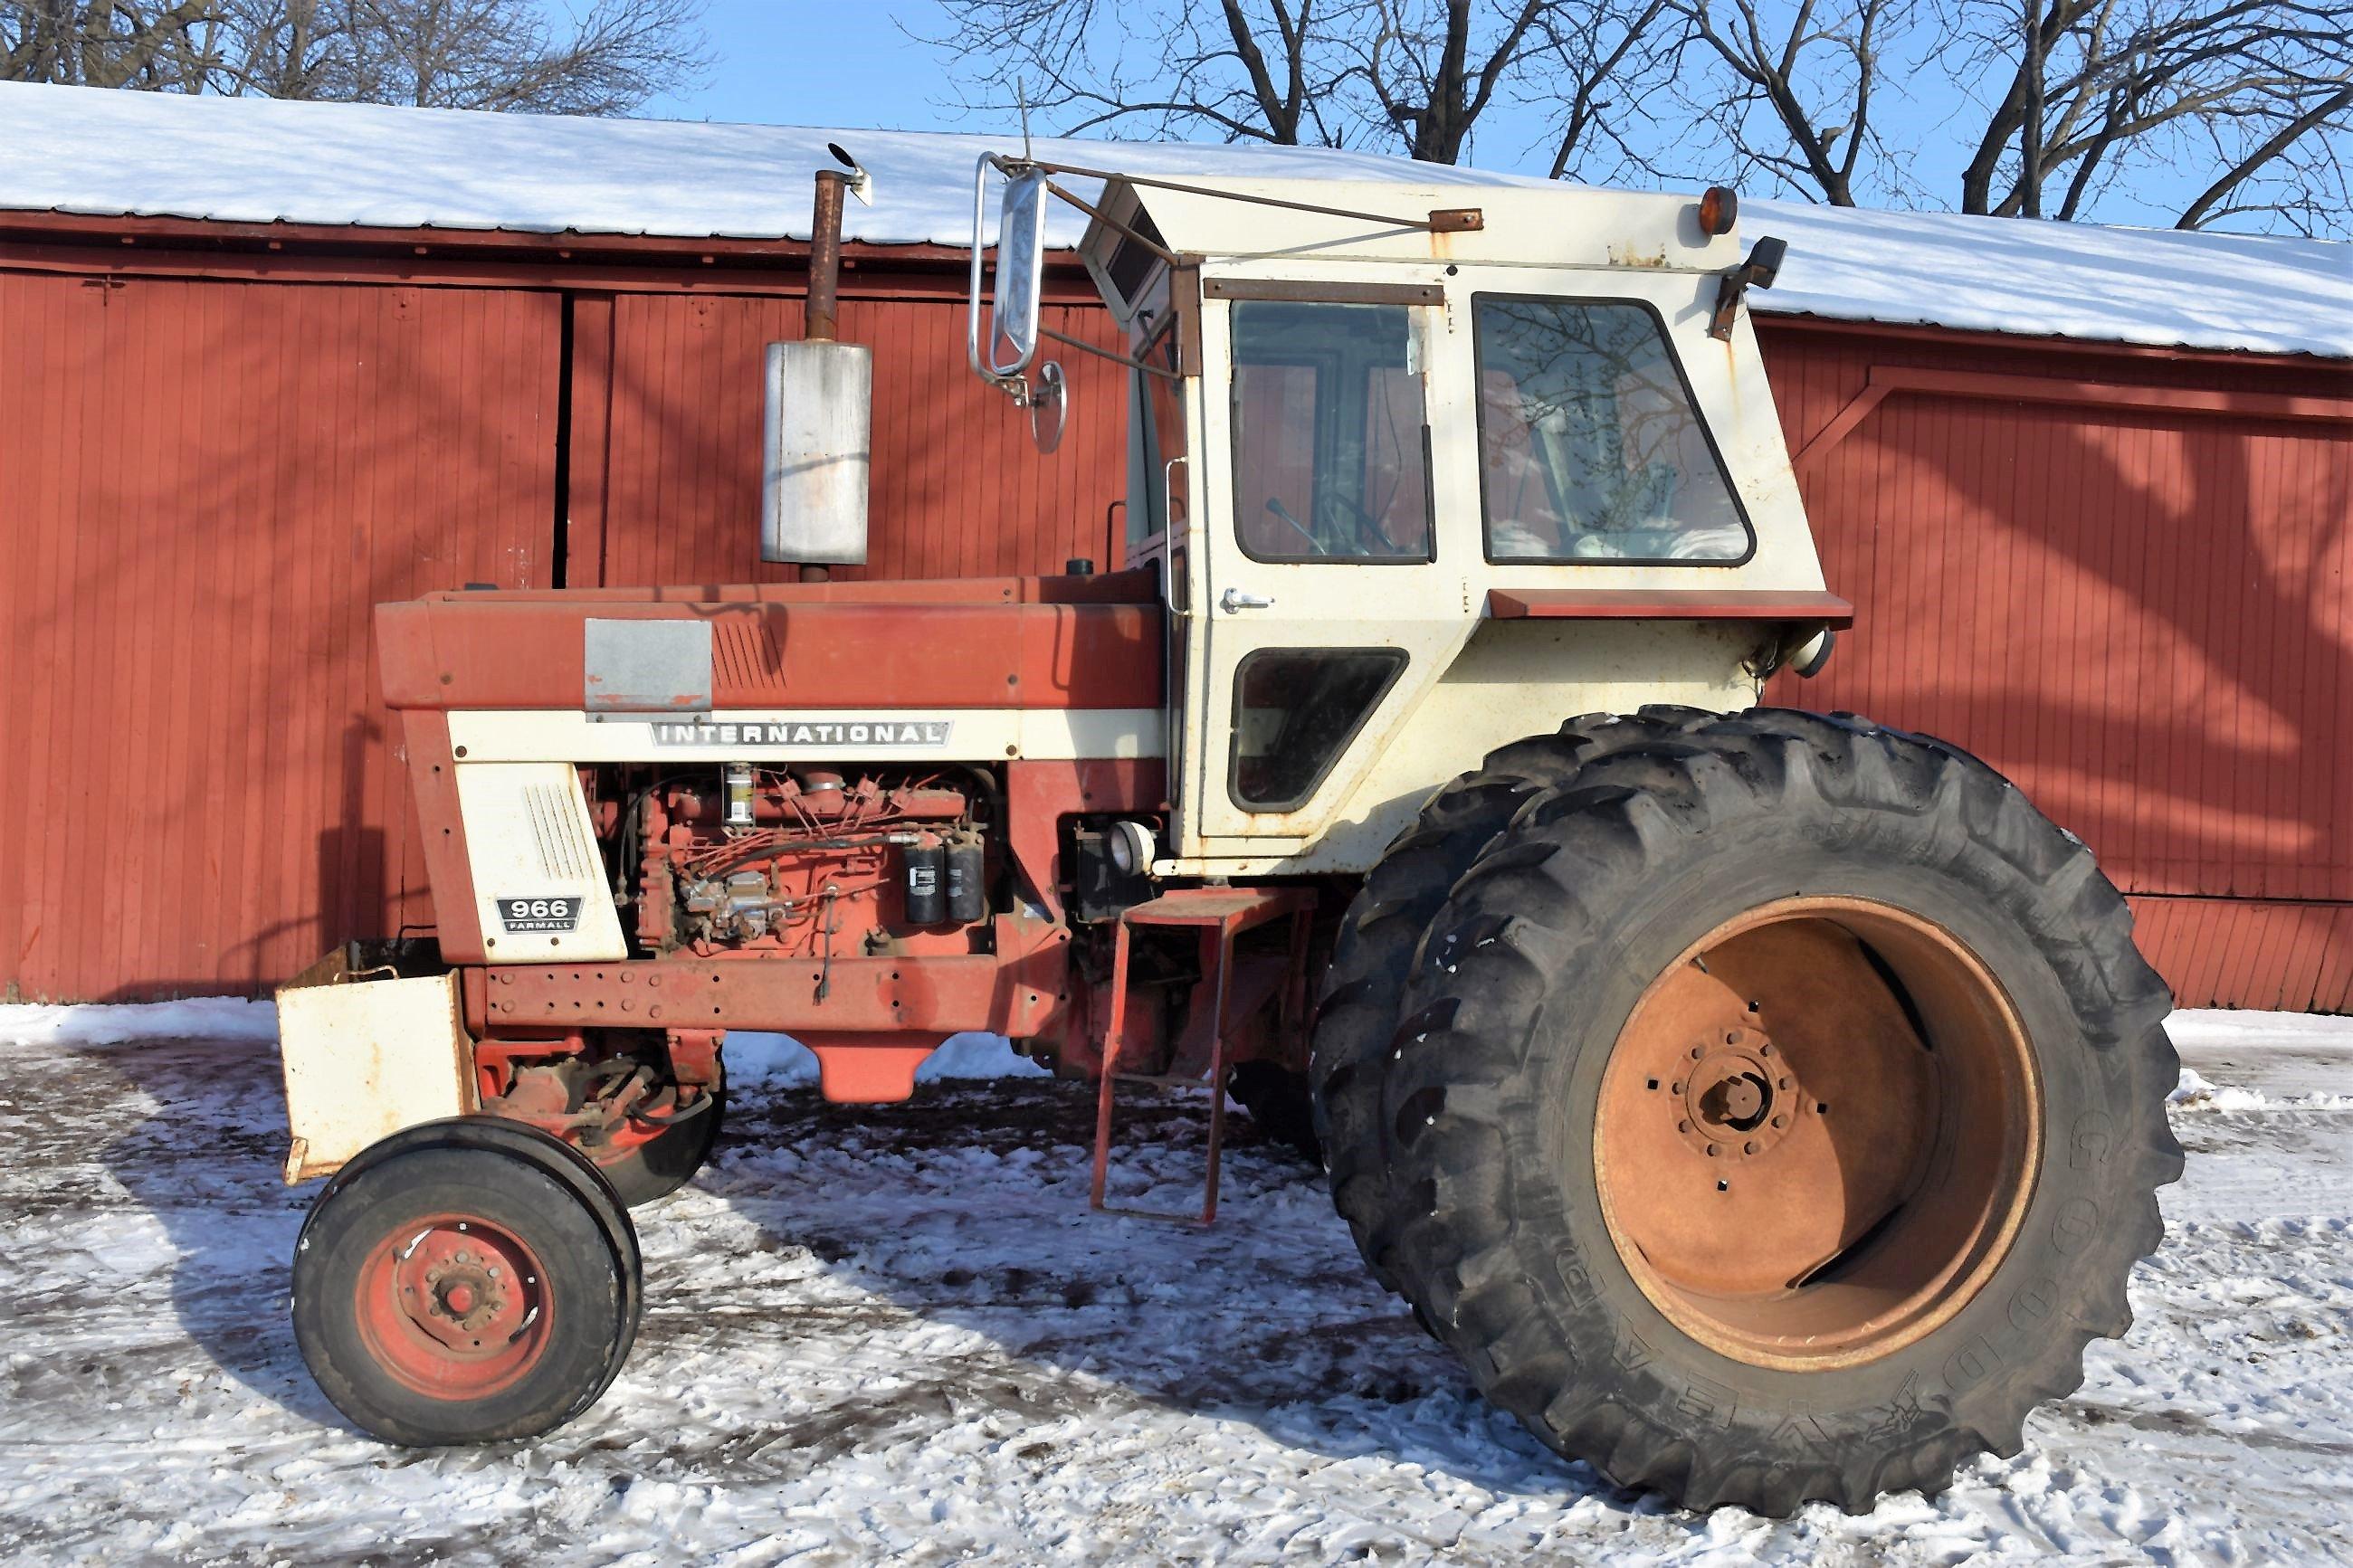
(874, 729)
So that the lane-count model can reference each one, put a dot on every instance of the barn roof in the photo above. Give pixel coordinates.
(93, 152)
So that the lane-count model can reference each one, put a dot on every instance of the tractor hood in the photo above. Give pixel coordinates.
(983, 642)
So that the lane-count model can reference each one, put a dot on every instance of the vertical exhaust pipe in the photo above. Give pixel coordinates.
(819, 318)
(819, 410)
(825, 256)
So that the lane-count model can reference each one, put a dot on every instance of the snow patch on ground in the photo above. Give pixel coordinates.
(977, 1057)
(895, 1333)
(779, 1061)
(109, 1024)
(2206, 1029)
(2196, 1094)
(2195, 1091)
(776, 1061)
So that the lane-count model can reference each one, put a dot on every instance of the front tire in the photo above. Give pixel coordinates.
(1869, 935)
(465, 1282)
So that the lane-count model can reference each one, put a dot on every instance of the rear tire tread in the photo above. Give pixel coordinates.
(1380, 939)
(1443, 1226)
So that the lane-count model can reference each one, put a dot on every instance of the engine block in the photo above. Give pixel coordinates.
(809, 863)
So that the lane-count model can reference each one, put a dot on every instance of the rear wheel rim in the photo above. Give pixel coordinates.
(1817, 1133)
(454, 1307)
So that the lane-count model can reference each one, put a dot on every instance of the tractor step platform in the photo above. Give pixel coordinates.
(1228, 913)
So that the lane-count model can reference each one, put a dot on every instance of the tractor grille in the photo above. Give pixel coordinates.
(564, 852)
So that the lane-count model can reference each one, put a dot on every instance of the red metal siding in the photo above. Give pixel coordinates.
(2140, 613)
(2143, 615)
(208, 486)
(2240, 952)
(957, 489)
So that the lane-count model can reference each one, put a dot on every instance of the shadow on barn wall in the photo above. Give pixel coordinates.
(235, 475)
(2145, 619)
(211, 793)
(957, 489)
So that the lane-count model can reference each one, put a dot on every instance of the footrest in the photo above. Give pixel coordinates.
(1228, 912)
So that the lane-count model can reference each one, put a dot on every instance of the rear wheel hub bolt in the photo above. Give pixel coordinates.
(1731, 1104)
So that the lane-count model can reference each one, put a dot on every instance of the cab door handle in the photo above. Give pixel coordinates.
(1234, 599)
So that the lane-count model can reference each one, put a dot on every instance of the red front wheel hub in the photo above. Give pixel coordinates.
(454, 1307)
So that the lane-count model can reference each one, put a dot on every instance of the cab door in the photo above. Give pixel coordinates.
(1326, 609)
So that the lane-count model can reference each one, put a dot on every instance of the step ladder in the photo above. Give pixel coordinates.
(1227, 913)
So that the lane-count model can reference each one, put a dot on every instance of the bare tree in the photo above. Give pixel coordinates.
(455, 54)
(1433, 70)
(2295, 163)
(1601, 66)
(1796, 84)
(2095, 91)
(505, 54)
(2061, 100)
(1414, 75)
(100, 43)
(1162, 69)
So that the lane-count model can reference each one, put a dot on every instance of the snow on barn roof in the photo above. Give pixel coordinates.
(91, 150)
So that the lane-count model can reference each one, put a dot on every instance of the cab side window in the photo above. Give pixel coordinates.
(1295, 710)
(1330, 433)
(1590, 449)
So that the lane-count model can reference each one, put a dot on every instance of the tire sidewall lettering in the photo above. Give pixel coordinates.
(2076, 1226)
(2093, 1141)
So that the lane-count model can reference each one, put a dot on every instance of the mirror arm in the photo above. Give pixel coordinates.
(1108, 221)
(1102, 352)
(1447, 220)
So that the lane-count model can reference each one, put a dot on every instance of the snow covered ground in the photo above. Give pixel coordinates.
(896, 1334)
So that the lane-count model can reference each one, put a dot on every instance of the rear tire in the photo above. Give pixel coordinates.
(465, 1282)
(1971, 982)
(1380, 941)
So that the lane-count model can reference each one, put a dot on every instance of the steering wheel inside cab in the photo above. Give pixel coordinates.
(1362, 530)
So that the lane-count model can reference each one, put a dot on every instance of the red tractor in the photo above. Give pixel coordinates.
(1765, 1106)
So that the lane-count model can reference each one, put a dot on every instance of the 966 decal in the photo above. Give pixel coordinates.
(556, 913)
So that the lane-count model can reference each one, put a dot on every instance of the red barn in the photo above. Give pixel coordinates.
(265, 365)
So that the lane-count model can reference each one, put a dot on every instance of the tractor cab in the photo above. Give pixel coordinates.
(1405, 468)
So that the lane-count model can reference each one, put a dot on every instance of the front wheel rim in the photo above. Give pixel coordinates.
(1817, 1133)
(453, 1307)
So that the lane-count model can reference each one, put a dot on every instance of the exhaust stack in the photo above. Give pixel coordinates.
(821, 411)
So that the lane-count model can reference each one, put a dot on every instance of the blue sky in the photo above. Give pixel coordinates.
(810, 62)
(847, 63)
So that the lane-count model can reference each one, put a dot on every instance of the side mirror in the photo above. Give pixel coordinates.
(818, 452)
(1011, 344)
